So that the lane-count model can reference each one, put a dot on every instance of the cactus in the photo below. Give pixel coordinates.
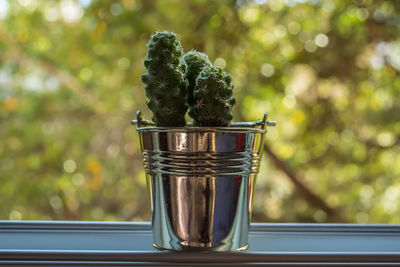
(195, 62)
(166, 85)
(213, 99)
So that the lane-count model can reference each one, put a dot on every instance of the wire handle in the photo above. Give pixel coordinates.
(263, 123)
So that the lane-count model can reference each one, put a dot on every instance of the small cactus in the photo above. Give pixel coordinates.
(195, 62)
(166, 85)
(213, 99)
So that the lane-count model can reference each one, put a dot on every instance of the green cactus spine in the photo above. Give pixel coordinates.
(213, 100)
(166, 85)
(195, 62)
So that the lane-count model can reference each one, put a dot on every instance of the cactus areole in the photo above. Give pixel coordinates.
(175, 82)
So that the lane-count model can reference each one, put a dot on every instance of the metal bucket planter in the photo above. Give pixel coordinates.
(201, 183)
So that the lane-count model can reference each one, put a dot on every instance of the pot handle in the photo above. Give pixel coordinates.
(140, 121)
(263, 123)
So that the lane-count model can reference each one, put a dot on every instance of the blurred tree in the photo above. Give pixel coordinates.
(328, 71)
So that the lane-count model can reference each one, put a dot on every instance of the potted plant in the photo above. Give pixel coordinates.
(200, 175)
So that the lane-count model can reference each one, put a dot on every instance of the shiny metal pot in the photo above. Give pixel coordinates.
(201, 184)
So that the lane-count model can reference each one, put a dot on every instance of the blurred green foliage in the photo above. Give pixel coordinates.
(328, 72)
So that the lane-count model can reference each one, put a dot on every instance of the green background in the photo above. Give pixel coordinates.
(327, 71)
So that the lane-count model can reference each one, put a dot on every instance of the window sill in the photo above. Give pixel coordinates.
(125, 243)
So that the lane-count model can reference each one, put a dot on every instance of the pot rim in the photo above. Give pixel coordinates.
(235, 127)
(196, 129)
